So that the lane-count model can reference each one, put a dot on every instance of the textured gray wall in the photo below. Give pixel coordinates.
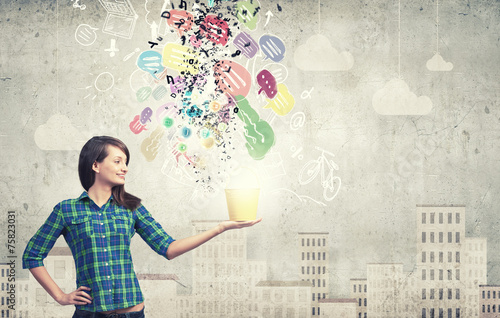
(57, 90)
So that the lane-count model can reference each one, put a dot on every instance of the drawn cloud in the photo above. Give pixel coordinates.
(395, 98)
(319, 55)
(58, 134)
(436, 63)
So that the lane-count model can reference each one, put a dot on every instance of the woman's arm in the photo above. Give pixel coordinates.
(182, 246)
(77, 297)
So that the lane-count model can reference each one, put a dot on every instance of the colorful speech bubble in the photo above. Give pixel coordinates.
(283, 103)
(151, 145)
(246, 44)
(180, 58)
(166, 110)
(273, 47)
(258, 133)
(135, 125)
(267, 82)
(146, 115)
(247, 13)
(143, 93)
(232, 78)
(150, 61)
(215, 29)
(85, 34)
(180, 20)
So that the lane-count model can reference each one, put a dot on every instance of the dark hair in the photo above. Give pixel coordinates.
(95, 150)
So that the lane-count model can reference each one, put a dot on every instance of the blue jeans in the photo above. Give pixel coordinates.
(88, 314)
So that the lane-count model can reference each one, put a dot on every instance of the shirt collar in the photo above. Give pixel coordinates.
(85, 194)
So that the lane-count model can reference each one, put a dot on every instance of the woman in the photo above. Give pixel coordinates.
(98, 227)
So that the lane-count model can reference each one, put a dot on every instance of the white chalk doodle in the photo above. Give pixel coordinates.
(437, 63)
(104, 82)
(121, 18)
(78, 6)
(297, 152)
(297, 121)
(302, 198)
(85, 34)
(326, 168)
(128, 56)
(306, 93)
(113, 49)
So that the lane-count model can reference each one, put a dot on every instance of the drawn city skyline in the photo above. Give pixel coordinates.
(448, 279)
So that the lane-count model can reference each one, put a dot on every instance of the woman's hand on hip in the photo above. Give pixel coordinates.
(77, 297)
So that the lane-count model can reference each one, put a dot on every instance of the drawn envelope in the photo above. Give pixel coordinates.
(121, 18)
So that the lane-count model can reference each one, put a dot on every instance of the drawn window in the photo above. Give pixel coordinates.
(440, 237)
(423, 237)
(432, 237)
(457, 314)
(423, 218)
(432, 217)
(450, 312)
(432, 274)
(432, 257)
(431, 294)
(457, 275)
(423, 294)
(440, 257)
(457, 293)
(424, 313)
(302, 242)
(423, 257)
(307, 242)
(423, 274)
(450, 254)
(313, 242)
(440, 218)
(450, 294)
(440, 274)
(457, 259)
(457, 237)
(457, 218)
(450, 237)
(450, 218)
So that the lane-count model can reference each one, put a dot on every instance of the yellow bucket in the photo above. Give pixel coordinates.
(242, 204)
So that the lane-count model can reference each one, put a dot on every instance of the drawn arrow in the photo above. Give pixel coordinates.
(269, 14)
(154, 30)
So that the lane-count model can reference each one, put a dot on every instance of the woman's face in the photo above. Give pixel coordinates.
(112, 170)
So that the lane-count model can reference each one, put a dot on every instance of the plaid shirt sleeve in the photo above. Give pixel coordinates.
(41, 243)
(152, 232)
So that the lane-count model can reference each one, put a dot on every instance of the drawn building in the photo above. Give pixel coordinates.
(224, 280)
(4, 292)
(359, 293)
(338, 308)
(313, 265)
(489, 301)
(160, 292)
(448, 283)
(291, 299)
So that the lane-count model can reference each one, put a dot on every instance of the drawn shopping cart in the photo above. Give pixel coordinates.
(121, 18)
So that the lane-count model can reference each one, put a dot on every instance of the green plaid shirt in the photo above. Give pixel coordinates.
(99, 239)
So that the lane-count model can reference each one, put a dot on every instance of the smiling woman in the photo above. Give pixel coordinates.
(98, 227)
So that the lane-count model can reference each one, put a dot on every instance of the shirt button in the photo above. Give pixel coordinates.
(110, 290)
(100, 214)
(109, 276)
(105, 250)
(102, 223)
(103, 236)
(106, 264)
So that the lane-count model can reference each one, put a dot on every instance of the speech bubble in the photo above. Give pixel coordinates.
(85, 34)
(283, 103)
(143, 93)
(151, 145)
(146, 115)
(207, 143)
(168, 109)
(185, 132)
(232, 78)
(273, 47)
(214, 106)
(178, 85)
(135, 125)
(258, 133)
(204, 133)
(150, 61)
(180, 58)
(278, 70)
(247, 13)
(159, 92)
(267, 82)
(215, 29)
(180, 20)
(195, 42)
(246, 44)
